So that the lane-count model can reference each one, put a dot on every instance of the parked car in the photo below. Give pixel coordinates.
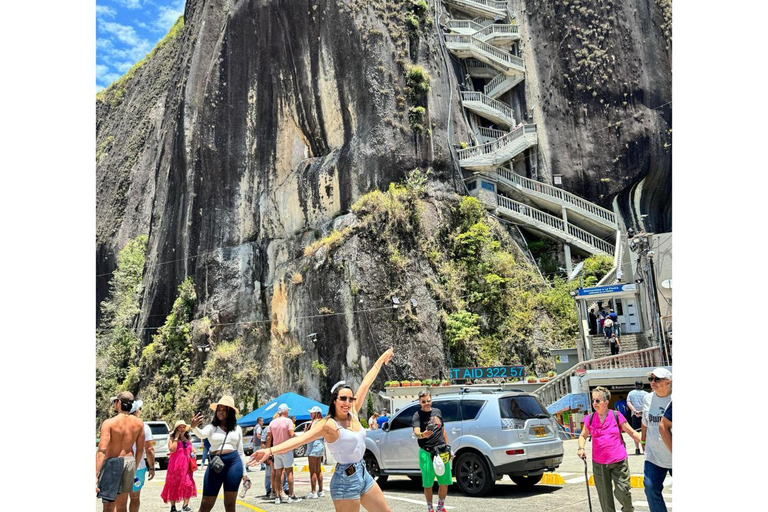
(160, 441)
(300, 429)
(491, 433)
(248, 441)
(197, 444)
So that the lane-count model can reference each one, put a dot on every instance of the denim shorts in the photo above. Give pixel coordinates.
(345, 487)
(315, 448)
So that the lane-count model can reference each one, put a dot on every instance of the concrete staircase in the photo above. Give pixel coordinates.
(628, 342)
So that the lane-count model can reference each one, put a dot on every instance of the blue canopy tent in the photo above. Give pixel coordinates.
(300, 406)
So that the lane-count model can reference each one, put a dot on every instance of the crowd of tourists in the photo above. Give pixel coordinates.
(125, 456)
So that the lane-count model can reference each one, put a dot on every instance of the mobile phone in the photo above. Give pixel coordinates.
(350, 470)
(199, 413)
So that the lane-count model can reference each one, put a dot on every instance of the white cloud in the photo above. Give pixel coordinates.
(102, 11)
(124, 33)
(101, 70)
(107, 78)
(130, 4)
(167, 16)
(137, 47)
(124, 66)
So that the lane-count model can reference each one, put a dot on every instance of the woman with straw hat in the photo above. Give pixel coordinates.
(179, 484)
(226, 439)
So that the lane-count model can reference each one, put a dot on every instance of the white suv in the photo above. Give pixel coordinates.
(491, 433)
(160, 441)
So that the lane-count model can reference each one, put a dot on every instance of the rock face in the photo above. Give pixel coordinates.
(242, 138)
(599, 82)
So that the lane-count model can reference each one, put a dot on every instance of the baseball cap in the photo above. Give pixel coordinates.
(283, 408)
(661, 373)
(638, 383)
(316, 409)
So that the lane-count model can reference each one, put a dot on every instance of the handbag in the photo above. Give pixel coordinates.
(216, 464)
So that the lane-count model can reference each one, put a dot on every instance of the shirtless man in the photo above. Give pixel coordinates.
(115, 460)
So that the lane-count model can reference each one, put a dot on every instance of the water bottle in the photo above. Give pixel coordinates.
(246, 486)
(136, 484)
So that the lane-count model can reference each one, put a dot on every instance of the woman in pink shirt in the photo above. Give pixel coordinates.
(609, 454)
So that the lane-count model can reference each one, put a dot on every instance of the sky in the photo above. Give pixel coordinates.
(127, 30)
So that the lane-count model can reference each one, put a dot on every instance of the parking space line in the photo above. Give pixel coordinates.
(418, 502)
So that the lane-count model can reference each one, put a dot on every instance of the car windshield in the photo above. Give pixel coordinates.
(158, 429)
(521, 408)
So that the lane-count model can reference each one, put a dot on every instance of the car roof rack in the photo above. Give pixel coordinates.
(480, 390)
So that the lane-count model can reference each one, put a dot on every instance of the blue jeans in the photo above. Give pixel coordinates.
(350, 487)
(654, 483)
(268, 479)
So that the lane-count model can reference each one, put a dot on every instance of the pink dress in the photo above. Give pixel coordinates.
(179, 484)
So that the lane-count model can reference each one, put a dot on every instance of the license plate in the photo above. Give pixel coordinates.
(539, 431)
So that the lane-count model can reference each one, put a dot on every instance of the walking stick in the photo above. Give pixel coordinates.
(586, 481)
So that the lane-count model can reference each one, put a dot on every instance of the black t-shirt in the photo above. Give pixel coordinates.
(426, 421)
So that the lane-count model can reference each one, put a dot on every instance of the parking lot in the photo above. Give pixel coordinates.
(404, 495)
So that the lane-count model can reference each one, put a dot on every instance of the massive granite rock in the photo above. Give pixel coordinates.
(242, 137)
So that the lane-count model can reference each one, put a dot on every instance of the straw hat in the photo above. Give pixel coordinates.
(226, 400)
(179, 424)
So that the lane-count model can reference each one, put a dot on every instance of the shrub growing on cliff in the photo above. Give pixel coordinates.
(417, 81)
(416, 118)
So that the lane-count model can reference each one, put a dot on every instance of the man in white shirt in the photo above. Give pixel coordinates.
(145, 465)
(635, 400)
(658, 458)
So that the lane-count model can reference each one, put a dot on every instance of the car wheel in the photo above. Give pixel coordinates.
(473, 476)
(526, 482)
(301, 451)
(372, 465)
(163, 463)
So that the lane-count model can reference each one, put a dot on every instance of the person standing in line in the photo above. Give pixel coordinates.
(351, 485)
(115, 455)
(608, 327)
(621, 407)
(635, 400)
(146, 464)
(226, 439)
(373, 424)
(658, 458)
(592, 322)
(665, 427)
(267, 464)
(433, 442)
(383, 418)
(206, 449)
(613, 341)
(257, 430)
(281, 429)
(609, 454)
(615, 318)
(315, 451)
(600, 320)
(179, 484)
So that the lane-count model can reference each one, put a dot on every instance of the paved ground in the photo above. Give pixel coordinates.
(403, 495)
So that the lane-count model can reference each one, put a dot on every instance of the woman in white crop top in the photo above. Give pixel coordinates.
(351, 485)
(226, 439)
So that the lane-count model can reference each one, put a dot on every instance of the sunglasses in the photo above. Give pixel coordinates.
(346, 398)
(654, 378)
(597, 401)
(426, 401)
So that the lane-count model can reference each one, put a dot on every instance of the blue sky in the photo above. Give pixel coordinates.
(126, 30)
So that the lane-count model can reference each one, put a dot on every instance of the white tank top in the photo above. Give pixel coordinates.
(349, 448)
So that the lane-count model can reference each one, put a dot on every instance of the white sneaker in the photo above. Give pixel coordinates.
(277, 501)
(320, 494)
(311, 496)
(292, 499)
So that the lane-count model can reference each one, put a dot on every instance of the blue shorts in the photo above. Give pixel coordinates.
(140, 475)
(316, 448)
(230, 477)
(345, 487)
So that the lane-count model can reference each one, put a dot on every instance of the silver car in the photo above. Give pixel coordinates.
(491, 433)
(160, 442)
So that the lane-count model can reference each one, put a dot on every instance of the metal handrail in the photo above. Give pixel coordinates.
(465, 24)
(508, 59)
(559, 386)
(488, 101)
(558, 193)
(491, 147)
(525, 210)
(590, 239)
(491, 132)
(497, 29)
(493, 4)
